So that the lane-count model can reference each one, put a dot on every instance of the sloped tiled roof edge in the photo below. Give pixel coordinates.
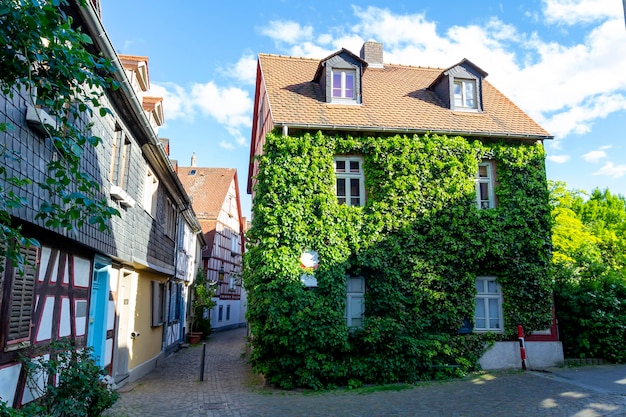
(396, 99)
(208, 187)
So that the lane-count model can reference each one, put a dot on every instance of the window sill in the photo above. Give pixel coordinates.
(39, 119)
(117, 193)
(480, 331)
(344, 103)
(467, 111)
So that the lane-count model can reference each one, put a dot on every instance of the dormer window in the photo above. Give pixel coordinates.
(464, 94)
(343, 84)
(339, 76)
(460, 87)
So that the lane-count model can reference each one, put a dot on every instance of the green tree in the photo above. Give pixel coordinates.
(44, 56)
(589, 245)
(573, 242)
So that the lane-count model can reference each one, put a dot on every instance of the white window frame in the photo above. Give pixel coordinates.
(347, 176)
(170, 219)
(151, 185)
(490, 201)
(355, 301)
(120, 159)
(234, 244)
(342, 88)
(485, 296)
(461, 100)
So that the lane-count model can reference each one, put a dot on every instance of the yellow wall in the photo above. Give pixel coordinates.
(148, 344)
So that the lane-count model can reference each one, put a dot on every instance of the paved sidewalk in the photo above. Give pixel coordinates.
(601, 378)
(231, 389)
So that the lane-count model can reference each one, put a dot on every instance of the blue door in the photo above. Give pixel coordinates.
(98, 306)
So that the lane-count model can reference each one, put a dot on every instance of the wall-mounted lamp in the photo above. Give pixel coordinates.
(220, 274)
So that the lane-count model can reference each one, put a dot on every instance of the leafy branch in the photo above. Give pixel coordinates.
(47, 59)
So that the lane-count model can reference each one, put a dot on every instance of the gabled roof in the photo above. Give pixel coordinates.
(463, 63)
(208, 188)
(339, 52)
(396, 98)
(139, 64)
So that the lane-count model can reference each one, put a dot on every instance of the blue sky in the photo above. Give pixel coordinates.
(561, 61)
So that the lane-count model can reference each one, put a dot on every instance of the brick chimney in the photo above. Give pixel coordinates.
(372, 53)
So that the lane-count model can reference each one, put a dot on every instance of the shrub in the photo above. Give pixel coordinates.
(592, 316)
(69, 384)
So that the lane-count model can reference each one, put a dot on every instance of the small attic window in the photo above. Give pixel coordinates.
(460, 87)
(465, 94)
(192, 172)
(339, 76)
(343, 84)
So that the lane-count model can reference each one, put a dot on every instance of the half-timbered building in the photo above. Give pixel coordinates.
(122, 292)
(215, 196)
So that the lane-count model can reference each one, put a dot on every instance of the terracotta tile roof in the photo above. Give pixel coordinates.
(208, 188)
(395, 98)
(149, 103)
(136, 58)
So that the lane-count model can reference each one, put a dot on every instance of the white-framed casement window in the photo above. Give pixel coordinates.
(344, 84)
(120, 157)
(350, 180)
(355, 301)
(488, 312)
(234, 244)
(151, 185)
(465, 94)
(485, 196)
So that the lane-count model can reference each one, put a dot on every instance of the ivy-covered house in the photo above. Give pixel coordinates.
(119, 289)
(401, 227)
(215, 196)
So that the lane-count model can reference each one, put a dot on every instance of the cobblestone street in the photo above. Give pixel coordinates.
(231, 389)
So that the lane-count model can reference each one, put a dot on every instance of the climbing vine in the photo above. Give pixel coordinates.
(419, 242)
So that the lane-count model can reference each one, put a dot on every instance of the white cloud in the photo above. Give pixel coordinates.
(564, 87)
(571, 12)
(594, 156)
(558, 159)
(176, 101)
(226, 145)
(230, 106)
(579, 119)
(287, 31)
(244, 70)
(611, 170)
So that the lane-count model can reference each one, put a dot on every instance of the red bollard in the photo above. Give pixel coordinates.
(522, 346)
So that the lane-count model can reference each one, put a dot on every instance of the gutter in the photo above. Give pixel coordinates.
(409, 130)
(153, 150)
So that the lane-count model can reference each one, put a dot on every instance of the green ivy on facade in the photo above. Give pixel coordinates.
(419, 242)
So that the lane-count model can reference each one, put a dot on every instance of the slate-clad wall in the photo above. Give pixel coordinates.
(135, 235)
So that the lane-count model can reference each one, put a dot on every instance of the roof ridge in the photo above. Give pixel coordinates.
(302, 58)
(290, 57)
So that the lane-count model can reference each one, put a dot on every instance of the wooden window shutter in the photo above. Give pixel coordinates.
(22, 297)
